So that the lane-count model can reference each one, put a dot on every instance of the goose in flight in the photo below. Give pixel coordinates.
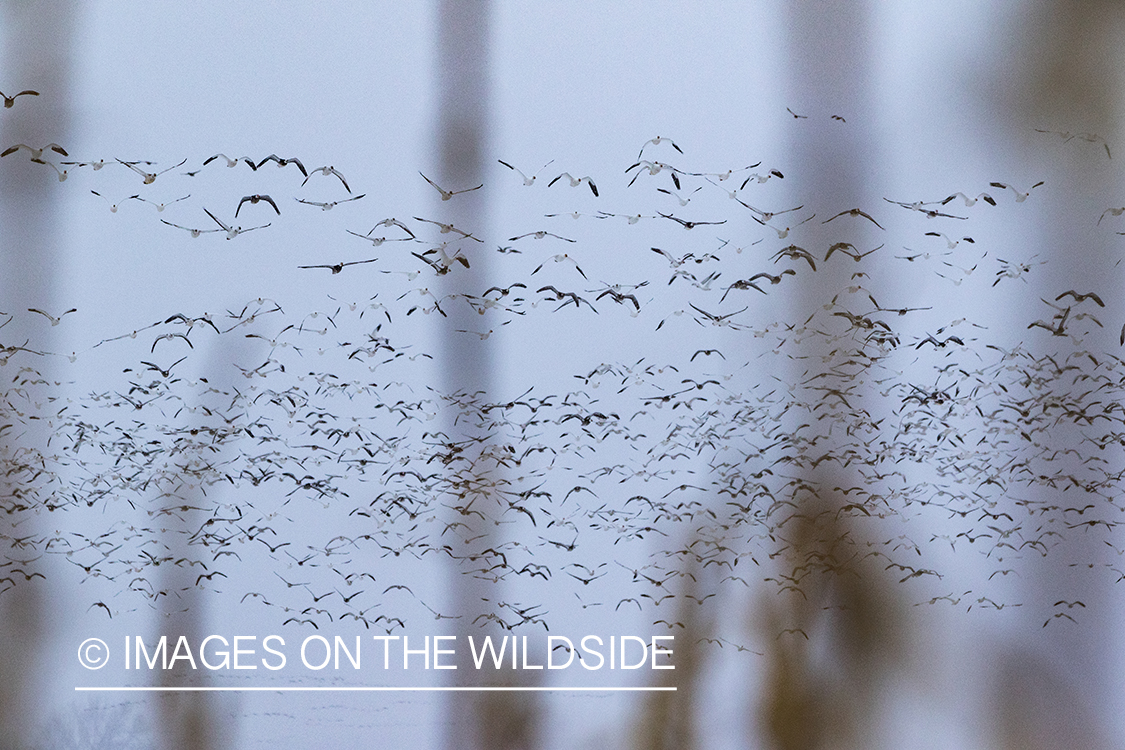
(744, 284)
(329, 170)
(114, 206)
(1021, 196)
(656, 142)
(527, 181)
(540, 235)
(654, 168)
(62, 173)
(95, 164)
(393, 222)
(562, 257)
(764, 216)
(36, 153)
(854, 254)
(330, 204)
(681, 199)
(446, 228)
(377, 241)
(10, 101)
(689, 224)
(1112, 212)
(719, 320)
(796, 253)
(952, 243)
(149, 177)
(448, 194)
(444, 263)
(335, 268)
(1067, 137)
(620, 298)
(971, 201)
(161, 206)
(193, 232)
(54, 321)
(1081, 297)
(232, 163)
(283, 163)
(920, 208)
(762, 179)
(854, 212)
(575, 182)
(631, 218)
(232, 231)
(255, 199)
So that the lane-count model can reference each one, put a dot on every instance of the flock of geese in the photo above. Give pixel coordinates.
(889, 431)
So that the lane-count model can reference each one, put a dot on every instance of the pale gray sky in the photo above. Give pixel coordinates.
(582, 86)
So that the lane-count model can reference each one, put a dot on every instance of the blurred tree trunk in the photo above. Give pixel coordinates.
(483, 720)
(1061, 71)
(192, 721)
(833, 643)
(37, 40)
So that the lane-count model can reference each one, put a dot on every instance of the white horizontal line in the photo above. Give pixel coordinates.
(371, 689)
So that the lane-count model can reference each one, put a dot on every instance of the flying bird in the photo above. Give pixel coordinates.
(284, 163)
(254, 200)
(393, 222)
(1081, 297)
(719, 320)
(161, 206)
(854, 254)
(745, 284)
(656, 142)
(62, 173)
(232, 231)
(527, 181)
(10, 101)
(326, 171)
(95, 164)
(689, 224)
(952, 243)
(854, 212)
(620, 298)
(447, 194)
(921, 208)
(232, 163)
(540, 235)
(54, 321)
(194, 232)
(1068, 137)
(444, 263)
(149, 177)
(335, 268)
(762, 178)
(445, 228)
(330, 204)
(796, 253)
(1111, 211)
(377, 241)
(114, 206)
(36, 153)
(681, 199)
(971, 201)
(1021, 196)
(575, 182)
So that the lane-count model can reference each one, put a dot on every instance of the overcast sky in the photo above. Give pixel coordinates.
(583, 86)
